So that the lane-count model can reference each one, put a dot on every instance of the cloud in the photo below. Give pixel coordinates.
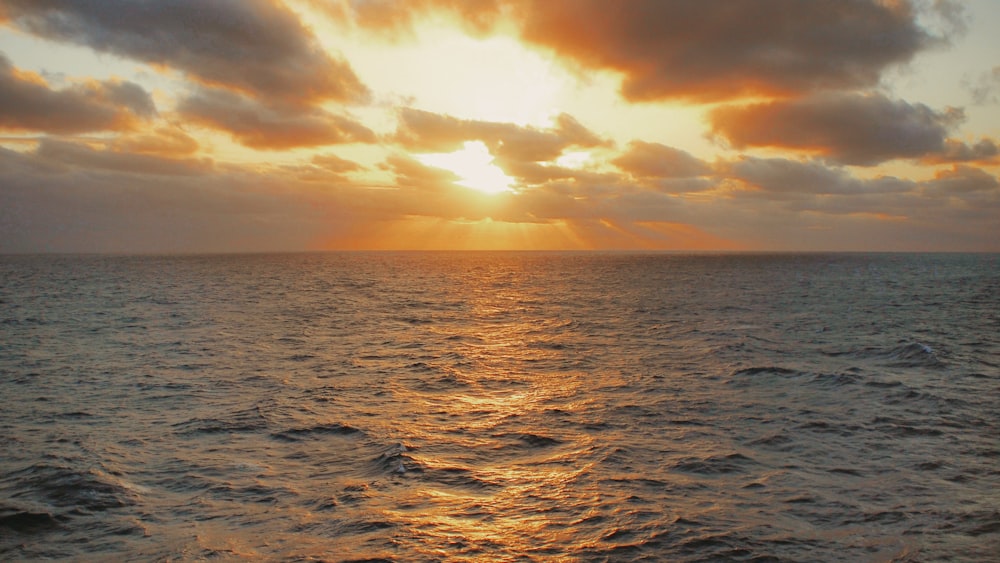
(262, 126)
(653, 160)
(961, 180)
(75, 197)
(423, 131)
(848, 128)
(783, 176)
(808, 202)
(410, 173)
(954, 20)
(701, 51)
(335, 164)
(528, 154)
(163, 141)
(984, 89)
(87, 158)
(28, 103)
(984, 151)
(47, 205)
(704, 51)
(258, 47)
(531, 173)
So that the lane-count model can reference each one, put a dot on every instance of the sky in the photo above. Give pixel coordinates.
(161, 126)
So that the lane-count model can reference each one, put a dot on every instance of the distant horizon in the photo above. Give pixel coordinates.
(198, 126)
(631, 251)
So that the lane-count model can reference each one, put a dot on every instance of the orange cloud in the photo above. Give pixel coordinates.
(653, 160)
(163, 141)
(258, 47)
(27, 103)
(335, 164)
(431, 132)
(261, 126)
(702, 51)
(961, 180)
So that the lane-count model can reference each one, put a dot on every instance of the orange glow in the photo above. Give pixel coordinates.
(474, 166)
(29, 77)
(428, 233)
(689, 237)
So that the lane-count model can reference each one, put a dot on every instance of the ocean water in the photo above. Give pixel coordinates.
(500, 407)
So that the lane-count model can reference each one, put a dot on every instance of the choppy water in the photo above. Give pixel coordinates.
(500, 407)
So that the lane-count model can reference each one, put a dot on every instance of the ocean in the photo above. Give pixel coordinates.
(491, 406)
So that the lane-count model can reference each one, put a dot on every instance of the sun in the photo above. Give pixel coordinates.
(474, 166)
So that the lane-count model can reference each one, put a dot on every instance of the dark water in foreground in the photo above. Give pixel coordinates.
(500, 407)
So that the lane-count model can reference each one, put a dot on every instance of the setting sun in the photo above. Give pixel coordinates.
(474, 166)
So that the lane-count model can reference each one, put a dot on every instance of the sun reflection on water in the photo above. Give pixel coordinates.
(513, 479)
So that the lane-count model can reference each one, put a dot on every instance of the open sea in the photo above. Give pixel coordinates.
(491, 406)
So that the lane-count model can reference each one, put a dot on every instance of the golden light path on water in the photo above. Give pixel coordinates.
(506, 512)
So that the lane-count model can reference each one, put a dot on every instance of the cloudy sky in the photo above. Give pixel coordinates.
(260, 125)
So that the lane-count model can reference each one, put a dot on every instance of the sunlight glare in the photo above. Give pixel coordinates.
(573, 159)
(474, 166)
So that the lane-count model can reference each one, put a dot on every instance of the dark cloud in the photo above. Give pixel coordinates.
(50, 206)
(958, 206)
(27, 103)
(255, 46)
(423, 131)
(653, 160)
(961, 179)
(827, 194)
(860, 129)
(783, 176)
(983, 151)
(262, 126)
(706, 51)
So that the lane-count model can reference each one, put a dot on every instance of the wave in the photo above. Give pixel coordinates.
(765, 370)
(24, 521)
(299, 434)
(91, 490)
(246, 420)
(396, 460)
(531, 440)
(904, 355)
(714, 465)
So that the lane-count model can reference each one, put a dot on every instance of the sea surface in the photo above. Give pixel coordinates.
(500, 407)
